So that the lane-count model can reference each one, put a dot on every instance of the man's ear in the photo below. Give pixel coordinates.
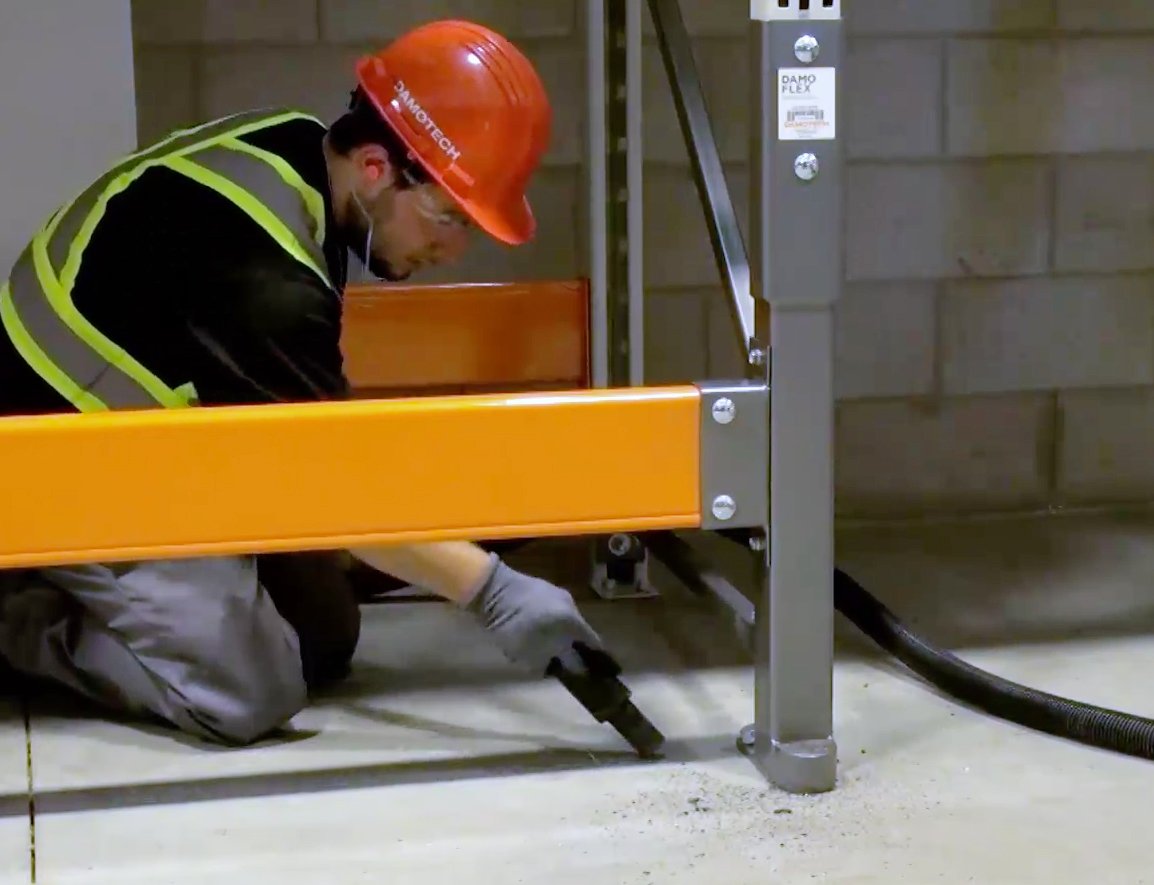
(376, 172)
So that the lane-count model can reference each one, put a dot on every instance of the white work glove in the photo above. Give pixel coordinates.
(533, 622)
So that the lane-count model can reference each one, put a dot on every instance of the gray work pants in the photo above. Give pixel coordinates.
(198, 643)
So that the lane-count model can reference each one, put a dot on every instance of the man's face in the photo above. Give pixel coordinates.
(413, 227)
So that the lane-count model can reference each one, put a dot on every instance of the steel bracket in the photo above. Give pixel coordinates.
(734, 447)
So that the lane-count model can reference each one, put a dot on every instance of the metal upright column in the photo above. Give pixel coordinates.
(796, 275)
(620, 562)
(597, 182)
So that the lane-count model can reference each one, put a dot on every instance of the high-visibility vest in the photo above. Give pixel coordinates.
(86, 367)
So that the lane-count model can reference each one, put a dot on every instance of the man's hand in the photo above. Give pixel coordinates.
(531, 620)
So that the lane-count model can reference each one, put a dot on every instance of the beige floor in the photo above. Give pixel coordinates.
(15, 832)
(434, 766)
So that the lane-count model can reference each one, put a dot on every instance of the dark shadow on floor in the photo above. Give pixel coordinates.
(298, 783)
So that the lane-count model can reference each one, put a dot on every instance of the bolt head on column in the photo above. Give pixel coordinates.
(807, 167)
(724, 507)
(807, 49)
(724, 410)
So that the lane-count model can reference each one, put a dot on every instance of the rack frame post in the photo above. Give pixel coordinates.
(797, 49)
(613, 31)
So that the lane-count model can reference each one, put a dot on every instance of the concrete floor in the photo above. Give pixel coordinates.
(434, 765)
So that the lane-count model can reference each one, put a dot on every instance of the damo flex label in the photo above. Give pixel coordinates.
(806, 104)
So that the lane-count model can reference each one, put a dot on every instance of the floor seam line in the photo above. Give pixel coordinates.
(30, 784)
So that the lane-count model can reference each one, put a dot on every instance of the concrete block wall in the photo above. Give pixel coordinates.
(996, 339)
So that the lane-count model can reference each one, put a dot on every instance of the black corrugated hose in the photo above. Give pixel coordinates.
(1085, 723)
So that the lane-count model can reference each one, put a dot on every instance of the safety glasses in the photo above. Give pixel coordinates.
(430, 207)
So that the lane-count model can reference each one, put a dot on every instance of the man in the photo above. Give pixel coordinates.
(207, 270)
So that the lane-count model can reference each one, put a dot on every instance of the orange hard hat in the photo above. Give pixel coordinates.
(473, 112)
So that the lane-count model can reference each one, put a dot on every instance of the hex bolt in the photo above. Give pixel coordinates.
(807, 49)
(724, 507)
(724, 410)
(620, 545)
(807, 167)
(747, 739)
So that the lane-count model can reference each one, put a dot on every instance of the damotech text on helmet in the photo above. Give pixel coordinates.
(422, 116)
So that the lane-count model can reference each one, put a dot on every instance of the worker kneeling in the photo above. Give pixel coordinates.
(208, 270)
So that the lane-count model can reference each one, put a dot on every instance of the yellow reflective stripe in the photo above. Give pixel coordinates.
(50, 228)
(243, 129)
(154, 158)
(61, 302)
(249, 204)
(72, 266)
(313, 200)
(174, 136)
(60, 294)
(40, 362)
(58, 289)
(188, 392)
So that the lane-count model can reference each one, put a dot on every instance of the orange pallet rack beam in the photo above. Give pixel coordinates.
(401, 340)
(173, 483)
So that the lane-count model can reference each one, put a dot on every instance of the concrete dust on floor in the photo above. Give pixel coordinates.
(436, 763)
(963, 799)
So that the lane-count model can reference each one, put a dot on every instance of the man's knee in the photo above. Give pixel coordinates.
(232, 670)
(244, 715)
(195, 643)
